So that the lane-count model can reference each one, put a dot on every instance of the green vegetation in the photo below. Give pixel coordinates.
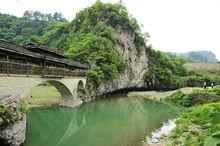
(36, 15)
(13, 113)
(196, 124)
(21, 30)
(89, 39)
(43, 95)
(164, 71)
(195, 98)
(211, 70)
(199, 124)
(213, 140)
(167, 71)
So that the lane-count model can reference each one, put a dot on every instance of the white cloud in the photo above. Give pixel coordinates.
(174, 25)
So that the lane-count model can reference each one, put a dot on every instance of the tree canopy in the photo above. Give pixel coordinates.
(31, 26)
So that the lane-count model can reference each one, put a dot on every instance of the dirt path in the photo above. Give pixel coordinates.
(159, 95)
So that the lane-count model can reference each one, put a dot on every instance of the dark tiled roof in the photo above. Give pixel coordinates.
(17, 49)
(34, 45)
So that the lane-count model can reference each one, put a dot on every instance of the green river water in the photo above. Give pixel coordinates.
(115, 121)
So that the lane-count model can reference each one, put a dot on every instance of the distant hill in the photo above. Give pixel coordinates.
(199, 56)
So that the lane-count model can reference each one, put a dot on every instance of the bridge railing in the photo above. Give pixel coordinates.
(25, 69)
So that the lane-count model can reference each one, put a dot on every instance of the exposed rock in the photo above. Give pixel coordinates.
(137, 64)
(14, 134)
(1, 121)
(12, 123)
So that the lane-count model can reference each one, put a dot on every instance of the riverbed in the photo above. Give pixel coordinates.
(114, 121)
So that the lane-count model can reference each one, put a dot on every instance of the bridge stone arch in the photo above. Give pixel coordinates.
(66, 95)
(19, 86)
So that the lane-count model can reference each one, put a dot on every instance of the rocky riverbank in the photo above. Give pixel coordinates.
(159, 136)
(12, 121)
(13, 134)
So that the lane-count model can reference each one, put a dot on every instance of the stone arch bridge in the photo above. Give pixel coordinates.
(24, 67)
(72, 89)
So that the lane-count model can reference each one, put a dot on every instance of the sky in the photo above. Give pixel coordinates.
(173, 25)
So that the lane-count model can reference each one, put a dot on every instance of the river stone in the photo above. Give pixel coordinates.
(14, 134)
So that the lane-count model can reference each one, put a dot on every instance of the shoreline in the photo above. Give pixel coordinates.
(32, 106)
(158, 137)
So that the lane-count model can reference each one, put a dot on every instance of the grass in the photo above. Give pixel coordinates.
(200, 121)
(196, 124)
(43, 95)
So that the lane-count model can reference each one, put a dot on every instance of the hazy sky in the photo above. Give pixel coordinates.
(174, 25)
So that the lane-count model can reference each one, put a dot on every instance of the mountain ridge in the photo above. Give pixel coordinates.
(204, 56)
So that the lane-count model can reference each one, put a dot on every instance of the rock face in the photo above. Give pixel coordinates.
(14, 134)
(137, 63)
(12, 123)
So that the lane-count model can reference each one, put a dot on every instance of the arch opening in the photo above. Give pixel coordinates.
(50, 92)
(66, 95)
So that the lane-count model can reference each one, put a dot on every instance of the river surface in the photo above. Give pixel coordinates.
(114, 121)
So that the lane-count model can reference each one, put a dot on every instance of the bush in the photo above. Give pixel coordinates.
(195, 98)
(213, 140)
(198, 122)
(195, 81)
(216, 80)
(175, 98)
(8, 115)
(11, 114)
(215, 90)
(179, 82)
(164, 72)
(23, 106)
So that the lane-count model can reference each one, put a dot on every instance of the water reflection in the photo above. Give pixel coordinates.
(108, 122)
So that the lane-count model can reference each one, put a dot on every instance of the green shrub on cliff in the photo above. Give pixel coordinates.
(12, 113)
(89, 39)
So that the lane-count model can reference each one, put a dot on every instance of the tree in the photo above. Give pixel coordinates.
(37, 15)
(58, 17)
(28, 15)
(49, 17)
(20, 30)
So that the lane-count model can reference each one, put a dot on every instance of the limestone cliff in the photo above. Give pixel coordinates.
(137, 64)
(107, 38)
